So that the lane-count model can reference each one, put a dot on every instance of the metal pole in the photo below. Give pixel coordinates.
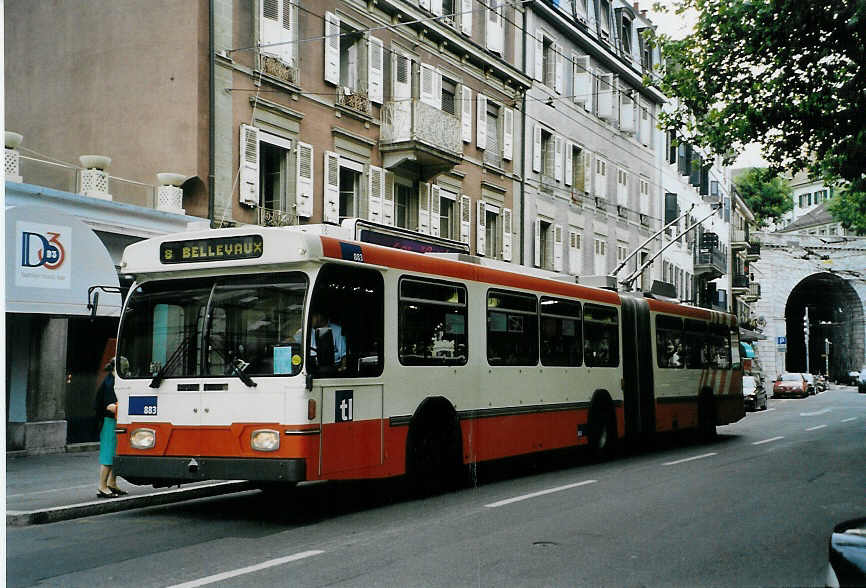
(648, 239)
(826, 357)
(806, 336)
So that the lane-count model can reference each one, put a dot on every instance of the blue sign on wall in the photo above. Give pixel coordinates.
(781, 340)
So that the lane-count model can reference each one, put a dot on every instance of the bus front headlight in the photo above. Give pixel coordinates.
(265, 440)
(143, 439)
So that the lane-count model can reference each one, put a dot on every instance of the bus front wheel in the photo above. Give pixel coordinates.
(603, 438)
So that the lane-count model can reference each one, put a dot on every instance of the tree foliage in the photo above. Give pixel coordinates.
(766, 194)
(849, 208)
(787, 74)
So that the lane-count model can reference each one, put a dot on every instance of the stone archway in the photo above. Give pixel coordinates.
(835, 316)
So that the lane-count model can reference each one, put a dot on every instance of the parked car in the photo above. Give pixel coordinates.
(810, 384)
(861, 381)
(847, 554)
(754, 394)
(790, 384)
(853, 378)
(821, 382)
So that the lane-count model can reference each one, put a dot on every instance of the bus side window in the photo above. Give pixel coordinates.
(695, 336)
(432, 323)
(669, 342)
(560, 332)
(512, 328)
(600, 336)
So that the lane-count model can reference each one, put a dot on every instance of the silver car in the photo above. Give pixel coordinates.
(754, 394)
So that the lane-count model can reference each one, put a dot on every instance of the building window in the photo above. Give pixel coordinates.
(449, 93)
(545, 234)
(600, 244)
(448, 215)
(491, 234)
(549, 62)
(621, 252)
(493, 150)
(548, 155)
(405, 206)
(350, 183)
(604, 25)
(351, 56)
(273, 171)
(626, 35)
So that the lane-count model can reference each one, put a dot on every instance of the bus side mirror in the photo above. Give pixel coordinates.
(92, 306)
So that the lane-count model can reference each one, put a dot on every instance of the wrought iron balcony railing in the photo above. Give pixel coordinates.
(413, 120)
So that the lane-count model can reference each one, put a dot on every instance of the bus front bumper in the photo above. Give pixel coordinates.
(168, 471)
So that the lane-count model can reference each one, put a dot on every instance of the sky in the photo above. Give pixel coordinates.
(678, 26)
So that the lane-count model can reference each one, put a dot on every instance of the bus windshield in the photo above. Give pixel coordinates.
(220, 326)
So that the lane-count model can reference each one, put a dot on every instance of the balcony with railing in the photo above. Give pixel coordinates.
(753, 253)
(710, 262)
(419, 139)
(272, 217)
(754, 292)
(739, 239)
(740, 284)
(353, 99)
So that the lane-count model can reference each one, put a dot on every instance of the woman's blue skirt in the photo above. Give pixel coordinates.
(107, 441)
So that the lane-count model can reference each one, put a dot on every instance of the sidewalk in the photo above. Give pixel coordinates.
(62, 486)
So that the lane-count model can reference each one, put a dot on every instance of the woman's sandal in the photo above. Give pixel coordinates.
(117, 491)
(101, 494)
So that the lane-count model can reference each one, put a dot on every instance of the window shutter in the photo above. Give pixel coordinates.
(559, 68)
(621, 188)
(507, 134)
(402, 77)
(466, 117)
(388, 202)
(249, 180)
(465, 218)
(331, 213)
(557, 158)
(494, 27)
(587, 172)
(481, 122)
(537, 257)
(506, 234)
(466, 17)
(375, 193)
(332, 48)
(289, 24)
(304, 180)
(536, 148)
(646, 128)
(434, 210)
(601, 178)
(569, 163)
(436, 7)
(375, 66)
(480, 231)
(352, 72)
(626, 113)
(539, 56)
(605, 96)
(557, 248)
(581, 90)
(277, 21)
(428, 85)
(424, 208)
(425, 4)
(575, 260)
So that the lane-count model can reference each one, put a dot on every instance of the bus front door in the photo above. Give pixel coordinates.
(352, 426)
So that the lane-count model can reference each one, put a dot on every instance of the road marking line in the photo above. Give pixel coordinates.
(66, 489)
(770, 440)
(670, 463)
(815, 428)
(539, 493)
(849, 420)
(241, 571)
(816, 413)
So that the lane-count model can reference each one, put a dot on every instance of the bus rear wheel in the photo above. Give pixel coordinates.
(434, 459)
(706, 418)
(603, 439)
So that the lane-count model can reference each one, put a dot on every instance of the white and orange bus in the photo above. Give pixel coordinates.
(285, 354)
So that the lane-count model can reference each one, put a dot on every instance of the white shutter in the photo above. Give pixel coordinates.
(466, 17)
(494, 28)
(375, 67)
(537, 253)
(557, 248)
(536, 148)
(331, 212)
(428, 86)
(557, 48)
(466, 114)
(587, 172)
(480, 231)
(277, 21)
(507, 134)
(434, 210)
(424, 208)
(621, 188)
(626, 113)
(569, 163)
(425, 4)
(290, 26)
(465, 218)
(375, 193)
(645, 125)
(481, 122)
(606, 96)
(249, 180)
(575, 257)
(539, 56)
(332, 48)
(401, 77)
(388, 202)
(304, 180)
(557, 158)
(601, 177)
(436, 7)
(506, 234)
(352, 67)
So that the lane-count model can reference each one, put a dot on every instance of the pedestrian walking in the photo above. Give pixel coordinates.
(106, 412)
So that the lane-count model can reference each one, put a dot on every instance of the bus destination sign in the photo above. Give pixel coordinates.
(221, 249)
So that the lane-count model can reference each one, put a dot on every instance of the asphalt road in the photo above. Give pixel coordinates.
(754, 507)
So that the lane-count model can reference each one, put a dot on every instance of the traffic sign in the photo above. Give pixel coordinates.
(783, 340)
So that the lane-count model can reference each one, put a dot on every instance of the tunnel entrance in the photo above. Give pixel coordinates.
(835, 318)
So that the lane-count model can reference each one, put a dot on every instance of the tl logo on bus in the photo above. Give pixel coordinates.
(38, 250)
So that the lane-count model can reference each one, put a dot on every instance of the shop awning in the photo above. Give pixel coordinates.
(746, 350)
(52, 258)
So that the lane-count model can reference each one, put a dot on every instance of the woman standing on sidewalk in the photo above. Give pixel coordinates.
(106, 410)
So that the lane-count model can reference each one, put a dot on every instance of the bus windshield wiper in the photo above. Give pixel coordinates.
(175, 357)
(238, 366)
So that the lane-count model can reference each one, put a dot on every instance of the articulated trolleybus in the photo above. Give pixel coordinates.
(285, 355)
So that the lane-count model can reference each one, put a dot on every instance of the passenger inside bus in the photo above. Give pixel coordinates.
(320, 325)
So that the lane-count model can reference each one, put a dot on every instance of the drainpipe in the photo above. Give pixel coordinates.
(211, 132)
(523, 155)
